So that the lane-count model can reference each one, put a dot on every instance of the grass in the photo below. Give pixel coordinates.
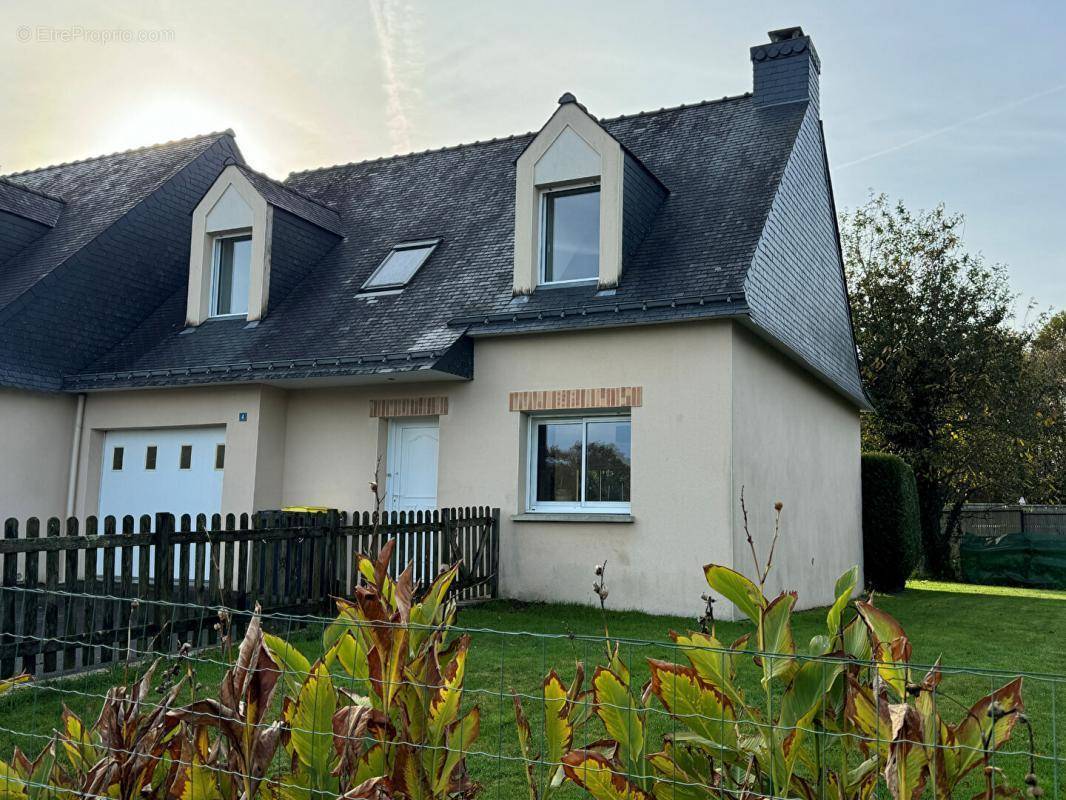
(998, 631)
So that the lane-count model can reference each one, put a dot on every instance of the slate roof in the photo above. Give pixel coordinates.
(29, 203)
(287, 198)
(721, 161)
(96, 192)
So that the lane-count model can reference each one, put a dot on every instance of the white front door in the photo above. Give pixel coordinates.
(411, 483)
(175, 470)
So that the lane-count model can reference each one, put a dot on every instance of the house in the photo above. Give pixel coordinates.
(607, 328)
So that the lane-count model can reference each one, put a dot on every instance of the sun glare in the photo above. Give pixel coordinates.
(165, 118)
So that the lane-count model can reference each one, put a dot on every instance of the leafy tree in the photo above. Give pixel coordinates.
(948, 375)
(1047, 364)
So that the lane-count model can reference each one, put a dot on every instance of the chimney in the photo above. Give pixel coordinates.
(786, 70)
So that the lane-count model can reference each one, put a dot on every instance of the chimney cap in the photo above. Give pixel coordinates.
(567, 98)
(784, 34)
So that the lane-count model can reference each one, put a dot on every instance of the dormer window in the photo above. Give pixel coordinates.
(400, 265)
(229, 281)
(570, 235)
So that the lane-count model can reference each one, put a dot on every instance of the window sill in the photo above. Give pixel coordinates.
(568, 284)
(547, 516)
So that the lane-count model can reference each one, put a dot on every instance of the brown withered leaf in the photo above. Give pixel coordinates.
(905, 767)
(373, 789)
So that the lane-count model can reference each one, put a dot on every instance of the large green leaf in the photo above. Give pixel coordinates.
(77, 741)
(425, 613)
(806, 695)
(460, 739)
(372, 764)
(737, 589)
(775, 640)
(978, 731)
(694, 703)
(843, 591)
(681, 772)
(891, 648)
(558, 732)
(622, 717)
(444, 707)
(294, 664)
(311, 724)
(525, 734)
(713, 661)
(350, 652)
(12, 787)
(601, 778)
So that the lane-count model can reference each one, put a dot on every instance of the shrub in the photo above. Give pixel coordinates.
(891, 533)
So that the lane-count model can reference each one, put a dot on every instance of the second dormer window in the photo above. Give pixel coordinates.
(570, 235)
(229, 285)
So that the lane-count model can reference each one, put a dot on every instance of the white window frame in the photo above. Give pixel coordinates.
(542, 234)
(216, 263)
(583, 506)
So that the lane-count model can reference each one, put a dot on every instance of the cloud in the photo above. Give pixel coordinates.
(396, 26)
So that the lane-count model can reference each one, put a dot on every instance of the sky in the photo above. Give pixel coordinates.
(956, 102)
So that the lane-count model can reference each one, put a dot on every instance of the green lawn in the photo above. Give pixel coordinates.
(998, 630)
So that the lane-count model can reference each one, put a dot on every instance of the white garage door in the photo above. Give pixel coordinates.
(176, 470)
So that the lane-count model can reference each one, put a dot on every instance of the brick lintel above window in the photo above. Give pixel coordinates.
(574, 399)
(410, 407)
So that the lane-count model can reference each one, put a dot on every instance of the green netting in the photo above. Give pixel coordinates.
(1015, 559)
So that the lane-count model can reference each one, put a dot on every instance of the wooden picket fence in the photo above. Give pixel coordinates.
(76, 596)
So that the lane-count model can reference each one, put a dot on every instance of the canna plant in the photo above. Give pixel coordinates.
(829, 719)
(408, 733)
(241, 714)
(564, 712)
(898, 719)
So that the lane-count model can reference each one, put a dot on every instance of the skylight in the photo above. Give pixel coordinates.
(400, 265)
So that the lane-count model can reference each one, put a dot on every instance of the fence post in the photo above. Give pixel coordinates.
(446, 538)
(328, 563)
(7, 665)
(495, 553)
(1021, 520)
(164, 577)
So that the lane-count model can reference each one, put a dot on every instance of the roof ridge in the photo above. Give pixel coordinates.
(87, 159)
(398, 156)
(681, 107)
(287, 188)
(31, 190)
(493, 140)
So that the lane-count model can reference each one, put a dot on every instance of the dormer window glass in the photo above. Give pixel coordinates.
(570, 235)
(229, 282)
(400, 265)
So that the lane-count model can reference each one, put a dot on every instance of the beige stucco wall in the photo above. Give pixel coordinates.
(253, 461)
(680, 447)
(721, 410)
(331, 446)
(796, 441)
(36, 430)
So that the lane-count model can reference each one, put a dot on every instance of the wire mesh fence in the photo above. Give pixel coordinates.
(393, 696)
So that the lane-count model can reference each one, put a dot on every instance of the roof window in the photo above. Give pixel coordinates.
(400, 265)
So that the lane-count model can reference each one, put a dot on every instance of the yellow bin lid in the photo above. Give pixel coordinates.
(306, 509)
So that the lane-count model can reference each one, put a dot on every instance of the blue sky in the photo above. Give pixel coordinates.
(963, 103)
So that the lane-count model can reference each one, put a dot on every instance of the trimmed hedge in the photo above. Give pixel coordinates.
(891, 532)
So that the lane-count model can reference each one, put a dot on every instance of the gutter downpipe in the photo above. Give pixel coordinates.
(75, 455)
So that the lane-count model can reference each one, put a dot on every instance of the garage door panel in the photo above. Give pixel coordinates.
(165, 484)
(130, 485)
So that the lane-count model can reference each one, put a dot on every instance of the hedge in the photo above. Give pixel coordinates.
(891, 533)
